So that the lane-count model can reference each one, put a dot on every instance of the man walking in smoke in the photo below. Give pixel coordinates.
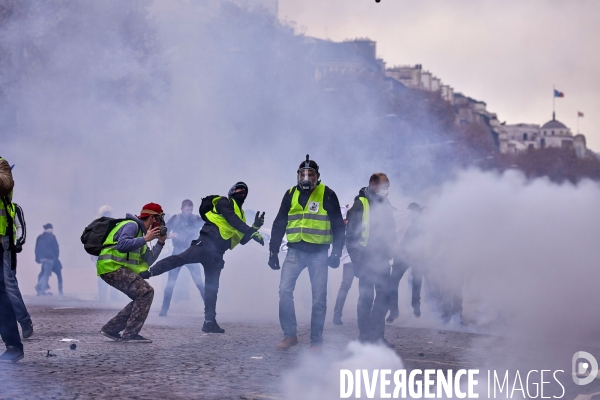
(46, 254)
(402, 262)
(310, 217)
(371, 242)
(9, 330)
(123, 256)
(183, 229)
(224, 229)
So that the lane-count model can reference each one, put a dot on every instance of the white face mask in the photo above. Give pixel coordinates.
(383, 193)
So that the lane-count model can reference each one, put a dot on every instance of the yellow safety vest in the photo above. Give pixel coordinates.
(225, 230)
(110, 259)
(5, 213)
(309, 224)
(364, 236)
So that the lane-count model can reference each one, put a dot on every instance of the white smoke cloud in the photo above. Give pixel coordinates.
(323, 373)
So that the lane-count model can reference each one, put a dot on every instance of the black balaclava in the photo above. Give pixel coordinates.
(240, 196)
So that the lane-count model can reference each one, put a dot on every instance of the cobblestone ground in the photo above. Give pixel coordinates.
(183, 362)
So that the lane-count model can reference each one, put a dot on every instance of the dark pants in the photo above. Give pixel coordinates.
(9, 330)
(398, 270)
(211, 260)
(347, 278)
(44, 275)
(174, 273)
(373, 299)
(57, 269)
(131, 319)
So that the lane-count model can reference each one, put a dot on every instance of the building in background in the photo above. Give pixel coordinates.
(520, 137)
(351, 57)
(414, 77)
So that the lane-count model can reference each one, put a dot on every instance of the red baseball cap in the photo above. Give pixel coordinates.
(151, 209)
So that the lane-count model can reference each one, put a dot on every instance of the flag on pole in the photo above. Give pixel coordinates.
(579, 114)
(558, 94)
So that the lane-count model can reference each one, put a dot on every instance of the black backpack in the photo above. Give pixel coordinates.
(206, 205)
(95, 234)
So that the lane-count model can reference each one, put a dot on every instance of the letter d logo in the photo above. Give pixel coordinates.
(583, 366)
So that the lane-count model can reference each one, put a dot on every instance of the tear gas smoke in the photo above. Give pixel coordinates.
(123, 103)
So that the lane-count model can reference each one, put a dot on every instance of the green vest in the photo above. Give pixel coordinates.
(225, 230)
(4, 214)
(364, 236)
(110, 259)
(310, 224)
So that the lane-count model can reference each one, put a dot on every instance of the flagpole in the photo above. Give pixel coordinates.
(553, 102)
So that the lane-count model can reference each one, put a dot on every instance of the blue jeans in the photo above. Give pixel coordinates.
(44, 275)
(294, 263)
(9, 330)
(12, 286)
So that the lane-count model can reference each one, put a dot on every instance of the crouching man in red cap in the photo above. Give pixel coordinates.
(124, 255)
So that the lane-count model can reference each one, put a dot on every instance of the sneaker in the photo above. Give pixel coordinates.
(337, 321)
(286, 343)
(111, 335)
(162, 313)
(12, 355)
(27, 329)
(417, 310)
(135, 339)
(212, 327)
(392, 317)
(316, 348)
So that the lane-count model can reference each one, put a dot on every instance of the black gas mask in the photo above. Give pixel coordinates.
(308, 174)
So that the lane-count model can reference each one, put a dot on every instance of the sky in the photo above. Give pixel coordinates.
(506, 53)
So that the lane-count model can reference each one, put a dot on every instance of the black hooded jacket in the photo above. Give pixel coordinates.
(383, 242)
(46, 246)
(210, 232)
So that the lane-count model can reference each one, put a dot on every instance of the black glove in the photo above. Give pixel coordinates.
(258, 237)
(258, 220)
(274, 260)
(334, 260)
(18, 248)
(145, 274)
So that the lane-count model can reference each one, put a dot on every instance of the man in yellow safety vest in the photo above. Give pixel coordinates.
(8, 320)
(371, 242)
(123, 256)
(224, 229)
(311, 219)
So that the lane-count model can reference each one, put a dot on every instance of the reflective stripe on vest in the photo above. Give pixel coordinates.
(225, 230)
(4, 217)
(110, 259)
(309, 224)
(364, 236)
